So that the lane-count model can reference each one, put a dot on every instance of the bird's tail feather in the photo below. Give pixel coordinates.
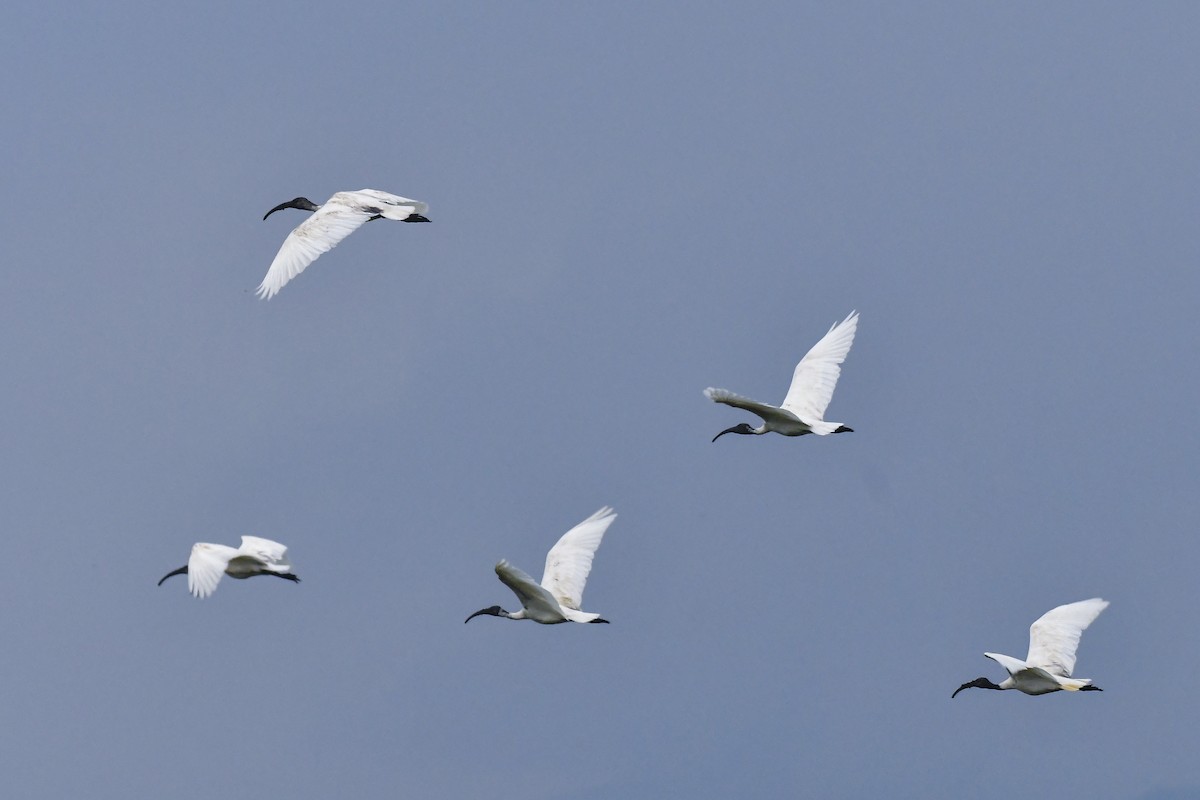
(822, 427)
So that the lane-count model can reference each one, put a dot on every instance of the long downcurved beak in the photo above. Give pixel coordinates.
(734, 429)
(181, 571)
(279, 207)
(491, 611)
(302, 203)
(978, 683)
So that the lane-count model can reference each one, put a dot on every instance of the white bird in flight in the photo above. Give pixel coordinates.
(560, 594)
(1053, 640)
(803, 410)
(340, 216)
(255, 557)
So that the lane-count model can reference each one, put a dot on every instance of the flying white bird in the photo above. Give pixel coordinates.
(255, 557)
(1053, 640)
(803, 410)
(560, 594)
(341, 216)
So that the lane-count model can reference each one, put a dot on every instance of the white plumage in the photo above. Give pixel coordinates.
(559, 596)
(339, 217)
(1053, 640)
(209, 562)
(813, 382)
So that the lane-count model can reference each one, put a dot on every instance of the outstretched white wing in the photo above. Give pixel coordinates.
(1010, 664)
(766, 412)
(1054, 638)
(273, 555)
(570, 560)
(318, 234)
(533, 598)
(206, 565)
(817, 373)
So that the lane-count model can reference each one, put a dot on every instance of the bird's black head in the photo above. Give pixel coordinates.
(978, 683)
(493, 611)
(302, 203)
(744, 427)
(181, 571)
(416, 218)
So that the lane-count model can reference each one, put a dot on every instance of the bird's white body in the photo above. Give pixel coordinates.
(813, 382)
(208, 562)
(1030, 679)
(331, 222)
(1053, 640)
(559, 596)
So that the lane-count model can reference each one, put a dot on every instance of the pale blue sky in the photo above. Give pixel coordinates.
(630, 202)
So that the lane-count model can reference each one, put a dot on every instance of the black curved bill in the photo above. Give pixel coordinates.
(181, 571)
(279, 207)
(978, 683)
(734, 429)
(491, 611)
(302, 203)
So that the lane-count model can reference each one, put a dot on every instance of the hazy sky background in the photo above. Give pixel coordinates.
(630, 202)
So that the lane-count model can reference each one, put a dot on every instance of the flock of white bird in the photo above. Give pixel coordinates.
(1053, 638)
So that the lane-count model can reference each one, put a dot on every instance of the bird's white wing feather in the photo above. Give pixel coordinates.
(206, 565)
(318, 234)
(1010, 664)
(570, 560)
(525, 587)
(1054, 638)
(273, 555)
(817, 373)
(768, 413)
